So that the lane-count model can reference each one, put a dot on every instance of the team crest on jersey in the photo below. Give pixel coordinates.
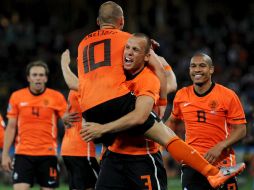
(213, 104)
(46, 102)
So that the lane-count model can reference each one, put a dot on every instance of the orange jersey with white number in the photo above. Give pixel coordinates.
(143, 84)
(36, 120)
(2, 125)
(208, 118)
(72, 144)
(100, 67)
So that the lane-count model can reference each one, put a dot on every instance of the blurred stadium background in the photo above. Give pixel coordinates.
(42, 29)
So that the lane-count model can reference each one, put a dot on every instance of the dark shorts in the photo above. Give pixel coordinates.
(193, 180)
(82, 171)
(125, 172)
(113, 110)
(44, 169)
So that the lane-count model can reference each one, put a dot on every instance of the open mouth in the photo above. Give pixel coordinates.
(128, 61)
(197, 76)
(38, 84)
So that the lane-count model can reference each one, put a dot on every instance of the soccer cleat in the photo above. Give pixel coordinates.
(224, 174)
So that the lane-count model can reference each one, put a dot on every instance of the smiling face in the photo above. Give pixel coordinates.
(134, 56)
(37, 79)
(201, 70)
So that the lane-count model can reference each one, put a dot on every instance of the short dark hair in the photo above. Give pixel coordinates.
(38, 63)
(109, 12)
(148, 41)
(205, 56)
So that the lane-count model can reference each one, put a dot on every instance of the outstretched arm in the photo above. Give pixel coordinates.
(70, 78)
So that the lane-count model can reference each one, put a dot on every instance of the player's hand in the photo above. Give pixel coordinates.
(65, 58)
(154, 59)
(155, 44)
(7, 163)
(70, 118)
(214, 153)
(91, 131)
(161, 111)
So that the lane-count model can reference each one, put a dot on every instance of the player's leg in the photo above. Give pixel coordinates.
(184, 153)
(145, 172)
(47, 172)
(193, 180)
(23, 172)
(82, 172)
(111, 176)
(230, 184)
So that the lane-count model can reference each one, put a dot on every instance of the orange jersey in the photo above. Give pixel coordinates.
(208, 118)
(72, 144)
(2, 125)
(100, 67)
(145, 83)
(37, 120)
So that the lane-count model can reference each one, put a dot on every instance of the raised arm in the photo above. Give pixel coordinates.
(171, 78)
(157, 67)
(70, 78)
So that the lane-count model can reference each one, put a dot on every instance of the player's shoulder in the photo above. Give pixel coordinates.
(106, 33)
(185, 90)
(50, 91)
(20, 92)
(148, 73)
(224, 90)
(184, 93)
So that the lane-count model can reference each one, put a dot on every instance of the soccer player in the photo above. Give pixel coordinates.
(78, 156)
(105, 97)
(33, 114)
(214, 120)
(132, 158)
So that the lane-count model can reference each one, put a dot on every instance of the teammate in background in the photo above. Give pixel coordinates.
(33, 114)
(78, 156)
(105, 97)
(2, 126)
(214, 120)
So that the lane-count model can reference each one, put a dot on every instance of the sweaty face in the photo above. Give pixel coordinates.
(134, 54)
(37, 79)
(200, 71)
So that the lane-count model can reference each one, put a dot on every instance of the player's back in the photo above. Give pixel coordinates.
(100, 67)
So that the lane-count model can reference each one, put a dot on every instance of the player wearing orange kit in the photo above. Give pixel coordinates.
(132, 158)
(32, 118)
(214, 120)
(93, 67)
(78, 156)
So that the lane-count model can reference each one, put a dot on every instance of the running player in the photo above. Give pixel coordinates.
(214, 120)
(33, 114)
